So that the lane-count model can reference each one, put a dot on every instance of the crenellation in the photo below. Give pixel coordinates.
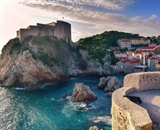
(61, 30)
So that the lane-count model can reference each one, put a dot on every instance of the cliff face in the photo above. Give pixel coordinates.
(43, 59)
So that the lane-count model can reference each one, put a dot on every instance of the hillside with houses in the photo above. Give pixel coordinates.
(142, 59)
(128, 52)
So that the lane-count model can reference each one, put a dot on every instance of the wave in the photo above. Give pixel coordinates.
(68, 97)
(20, 89)
(45, 85)
(105, 119)
(73, 78)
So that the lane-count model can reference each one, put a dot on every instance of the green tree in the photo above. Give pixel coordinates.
(123, 49)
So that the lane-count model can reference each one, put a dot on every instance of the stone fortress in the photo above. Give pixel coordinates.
(61, 30)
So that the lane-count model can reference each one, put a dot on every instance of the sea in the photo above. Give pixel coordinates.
(44, 109)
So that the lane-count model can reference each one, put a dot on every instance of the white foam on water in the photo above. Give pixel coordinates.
(68, 97)
(19, 89)
(73, 78)
(105, 119)
(45, 85)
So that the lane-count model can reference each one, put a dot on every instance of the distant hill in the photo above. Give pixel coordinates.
(97, 45)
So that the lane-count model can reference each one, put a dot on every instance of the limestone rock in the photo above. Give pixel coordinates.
(93, 128)
(41, 60)
(128, 68)
(103, 82)
(109, 94)
(113, 84)
(93, 67)
(83, 93)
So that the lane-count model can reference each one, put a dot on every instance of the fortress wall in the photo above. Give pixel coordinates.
(19, 34)
(127, 115)
(143, 81)
(32, 30)
(60, 30)
(48, 31)
(63, 30)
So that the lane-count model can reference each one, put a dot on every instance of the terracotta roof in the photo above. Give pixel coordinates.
(129, 51)
(157, 48)
(147, 47)
(134, 61)
(125, 40)
(123, 60)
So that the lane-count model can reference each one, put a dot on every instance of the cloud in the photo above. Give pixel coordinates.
(108, 4)
(95, 21)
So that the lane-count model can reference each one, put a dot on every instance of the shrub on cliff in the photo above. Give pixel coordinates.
(11, 46)
(45, 58)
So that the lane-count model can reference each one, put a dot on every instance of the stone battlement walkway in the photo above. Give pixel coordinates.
(151, 102)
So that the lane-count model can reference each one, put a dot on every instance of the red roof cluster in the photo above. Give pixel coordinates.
(147, 49)
(125, 40)
(129, 51)
(157, 48)
(133, 61)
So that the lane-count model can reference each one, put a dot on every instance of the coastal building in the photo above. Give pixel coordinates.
(140, 68)
(127, 42)
(120, 55)
(61, 30)
(152, 44)
(126, 65)
(124, 43)
(129, 53)
(152, 63)
(136, 41)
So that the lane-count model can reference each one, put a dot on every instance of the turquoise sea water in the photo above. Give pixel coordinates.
(44, 109)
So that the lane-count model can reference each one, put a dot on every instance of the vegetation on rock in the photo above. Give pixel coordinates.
(45, 58)
(11, 46)
(97, 45)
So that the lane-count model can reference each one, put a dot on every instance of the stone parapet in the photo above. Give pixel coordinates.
(127, 115)
(143, 81)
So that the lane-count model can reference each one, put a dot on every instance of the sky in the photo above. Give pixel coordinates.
(87, 17)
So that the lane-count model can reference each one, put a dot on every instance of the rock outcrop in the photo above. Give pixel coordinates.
(93, 128)
(103, 82)
(93, 67)
(113, 84)
(38, 60)
(83, 93)
(109, 84)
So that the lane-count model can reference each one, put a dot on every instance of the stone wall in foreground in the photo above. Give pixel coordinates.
(127, 115)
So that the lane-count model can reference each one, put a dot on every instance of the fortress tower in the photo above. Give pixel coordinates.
(61, 30)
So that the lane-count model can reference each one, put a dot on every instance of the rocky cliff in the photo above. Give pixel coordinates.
(38, 60)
